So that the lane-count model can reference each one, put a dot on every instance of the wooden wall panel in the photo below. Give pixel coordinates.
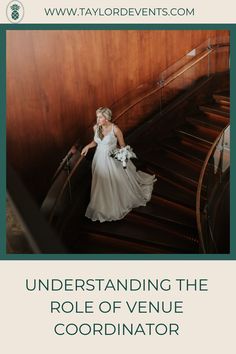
(57, 79)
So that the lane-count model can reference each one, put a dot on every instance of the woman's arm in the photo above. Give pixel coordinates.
(119, 136)
(90, 145)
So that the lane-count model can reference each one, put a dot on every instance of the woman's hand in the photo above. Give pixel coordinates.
(85, 150)
(87, 147)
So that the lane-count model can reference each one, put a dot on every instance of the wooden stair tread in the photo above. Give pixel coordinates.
(170, 211)
(221, 98)
(188, 136)
(214, 109)
(199, 133)
(205, 122)
(186, 148)
(174, 191)
(173, 176)
(176, 229)
(214, 119)
(225, 107)
(95, 243)
(170, 162)
(136, 228)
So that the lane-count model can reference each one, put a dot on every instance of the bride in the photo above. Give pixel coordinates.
(115, 191)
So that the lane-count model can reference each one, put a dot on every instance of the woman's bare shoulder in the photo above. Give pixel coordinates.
(95, 127)
(117, 129)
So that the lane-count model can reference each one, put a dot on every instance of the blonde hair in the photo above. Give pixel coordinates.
(106, 113)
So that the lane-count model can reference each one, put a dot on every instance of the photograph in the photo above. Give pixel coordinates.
(118, 141)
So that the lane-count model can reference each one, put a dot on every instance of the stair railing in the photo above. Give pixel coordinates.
(216, 164)
(150, 98)
(39, 235)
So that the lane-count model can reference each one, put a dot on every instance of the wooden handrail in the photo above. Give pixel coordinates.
(172, 77)
(199, 187)
(64, 186)
(39, 234)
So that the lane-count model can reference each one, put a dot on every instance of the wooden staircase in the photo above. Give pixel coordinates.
(168, 223)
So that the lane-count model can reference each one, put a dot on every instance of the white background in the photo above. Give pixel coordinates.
(209, 11)
(206, 326)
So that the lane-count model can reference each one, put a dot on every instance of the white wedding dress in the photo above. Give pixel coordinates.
(115, 190)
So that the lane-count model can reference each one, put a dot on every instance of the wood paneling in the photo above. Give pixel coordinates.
(57, 79)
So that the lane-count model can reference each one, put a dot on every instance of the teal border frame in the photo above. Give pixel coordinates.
(6, 27)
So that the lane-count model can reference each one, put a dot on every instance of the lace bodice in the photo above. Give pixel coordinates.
(109, 141)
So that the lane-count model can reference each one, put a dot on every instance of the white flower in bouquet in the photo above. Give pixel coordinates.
(123, 154)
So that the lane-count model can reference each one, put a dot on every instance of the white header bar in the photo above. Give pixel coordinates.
(113, 11)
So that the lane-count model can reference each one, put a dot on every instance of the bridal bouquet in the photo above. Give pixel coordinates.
(123, 154)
